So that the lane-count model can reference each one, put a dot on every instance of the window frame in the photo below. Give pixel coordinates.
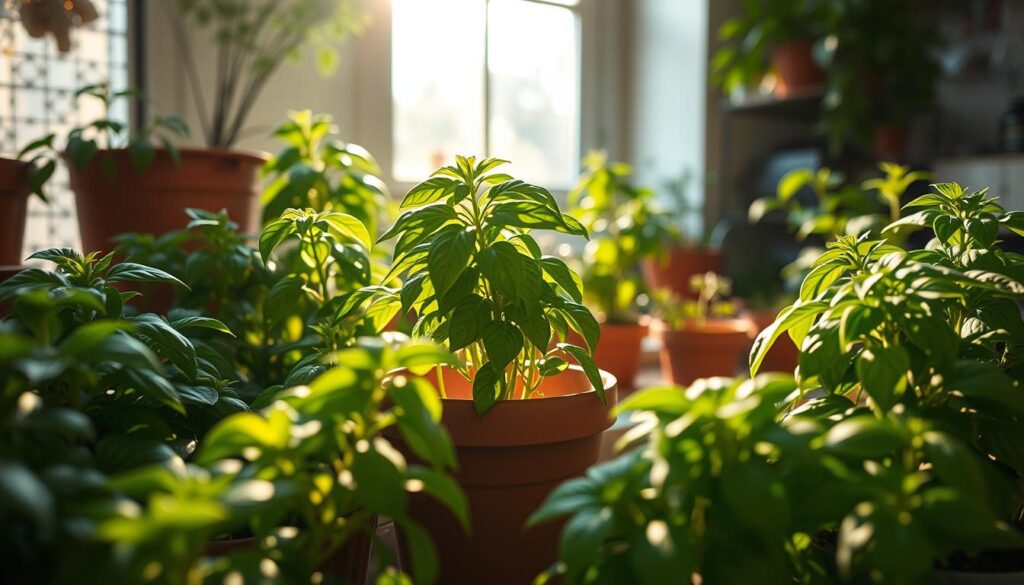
(602, 60)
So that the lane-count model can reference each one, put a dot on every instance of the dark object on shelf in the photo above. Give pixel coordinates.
(14, 191)
(1011, 127)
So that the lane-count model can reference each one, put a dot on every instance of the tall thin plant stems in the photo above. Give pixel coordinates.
(252, 40)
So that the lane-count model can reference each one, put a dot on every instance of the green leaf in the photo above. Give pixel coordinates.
(792, 182)
(141, 152)
(90, 336)
(503, 342)
(449, 254)
(581, 541)
(537, 329)
(345, 226)
(118, 453)
(429, 191)
(583, 322)
(586, 362)
(418, 224)
(863, 437)
(283, 298)
(273, 234)
(463, 286)
(231, 436)
(796, 314)
(487, 388)
(571, 496)
(379, 486)
(167, 341)
(422, 551)
(468, 321)
(23, 493)
(564, 277)
(199, 322)
(883, 373)
(986, 385)
(513, 275)
(445, 490)
(529, 215)
(132, 272)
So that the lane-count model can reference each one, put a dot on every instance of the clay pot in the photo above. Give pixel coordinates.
(154, 201)
(796, 70)
(783, 355)
(510, 459)
(703, 350)
(618, 352)
(14, 191)
(674, 271)
(349, 564)
(890, 142)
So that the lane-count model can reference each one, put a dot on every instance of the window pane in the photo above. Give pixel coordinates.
(534, 95)
(437, 83)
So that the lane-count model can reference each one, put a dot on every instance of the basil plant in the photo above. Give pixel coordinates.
(478, 281)
(626, 225)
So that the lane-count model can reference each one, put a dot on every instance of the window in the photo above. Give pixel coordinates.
(37, 86)
(489, 77)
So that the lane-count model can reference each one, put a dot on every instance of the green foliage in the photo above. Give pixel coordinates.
(710, 288)
(83, 142)
(626, 225)
(253, 39)
(316, 170)
(750, 37)
(478, 281)
(896, 445)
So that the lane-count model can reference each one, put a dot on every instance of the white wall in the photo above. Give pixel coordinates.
(669, 94)
(296, 86)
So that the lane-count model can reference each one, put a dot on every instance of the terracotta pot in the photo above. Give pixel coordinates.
(890, 142)
(618, 352)
(680, 264)
(510, 459)
(153, 202)
(796, 70)
(14, 191)
(713, 348)
(783, 355)
(348, 565)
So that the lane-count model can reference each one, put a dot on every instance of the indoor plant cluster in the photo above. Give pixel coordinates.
(892, 457)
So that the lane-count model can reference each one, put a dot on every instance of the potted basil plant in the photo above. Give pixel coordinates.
(520, 416)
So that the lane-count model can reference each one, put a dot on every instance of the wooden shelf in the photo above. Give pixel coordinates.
(803, 105)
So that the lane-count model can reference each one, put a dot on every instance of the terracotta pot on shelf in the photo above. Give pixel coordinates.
(349, 564)
(703, 350)
(510, 459)
(154, 201)
(889, 142)
(796, 70)
(14, 192)
(674, 271)
(783, 355)
(618, 352)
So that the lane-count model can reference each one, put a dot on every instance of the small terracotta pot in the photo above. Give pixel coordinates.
(154, 201)
(348, 564)
(713, 348)
(890, 142)
(783, 355)
(14, 191)
(797, 72)
(510, 459)
(618, 352)
(675, 270)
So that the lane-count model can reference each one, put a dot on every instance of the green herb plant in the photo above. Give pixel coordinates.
(317, 171)
(745, 58)
(478, 281)
(894, 452)
(83, 142)
(625, 225)
(710, 289)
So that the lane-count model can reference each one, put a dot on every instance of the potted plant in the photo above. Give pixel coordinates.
(701, 338)
(881, 70)
(520, 416)
(625, 228)
(776, 35)
(890, 459)
(675, 258)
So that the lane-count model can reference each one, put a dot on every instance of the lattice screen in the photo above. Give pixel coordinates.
(37, 86)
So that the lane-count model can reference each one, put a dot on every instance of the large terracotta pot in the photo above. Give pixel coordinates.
(796, 70)
(154, 201)
(618, 352)
(783, 355)
(674, 271)
(14, 192)
(702, 350)
(510, 459)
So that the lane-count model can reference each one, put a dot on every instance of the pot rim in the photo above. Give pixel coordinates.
(723, 326)
(259, 155)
